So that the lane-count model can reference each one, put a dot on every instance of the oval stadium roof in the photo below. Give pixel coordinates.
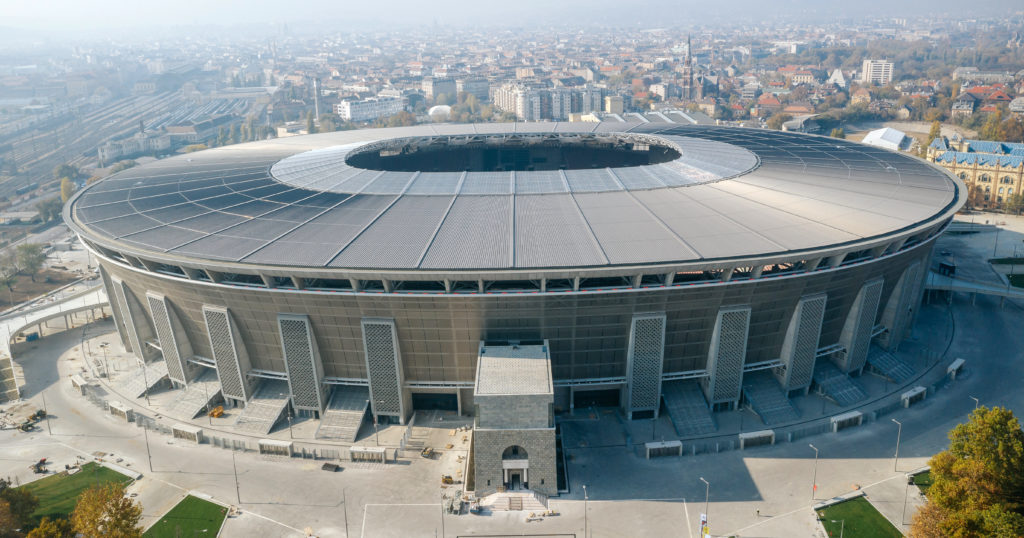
(731, 193)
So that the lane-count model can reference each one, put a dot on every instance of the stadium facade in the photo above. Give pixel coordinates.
(624, 256)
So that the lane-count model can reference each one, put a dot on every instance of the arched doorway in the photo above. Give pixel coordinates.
(515, 465)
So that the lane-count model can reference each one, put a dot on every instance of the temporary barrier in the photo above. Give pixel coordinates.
(121, 411)
(368, 453)
(913, 396)
(846, 420)
(275, 448)
(761, 437)
(188, 433)
(659, 449)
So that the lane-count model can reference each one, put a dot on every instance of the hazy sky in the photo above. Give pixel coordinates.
(81, 17)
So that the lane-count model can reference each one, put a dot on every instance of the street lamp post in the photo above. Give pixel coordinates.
(906, 492)
(106, 365)
(145, 380)
(47, 413)
(976, 402)
(814, 474)
(584, 511)
(899, 433)
(149, 456)
(707, 493)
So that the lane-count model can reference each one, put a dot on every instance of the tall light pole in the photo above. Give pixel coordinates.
(149, 456)
(707, 493)
(106, 365)
(46, 412)
(899, 432)
(584, 511)
(814, 475)
(906, 492)
(976, 402)
(234, 469)
(345, 502)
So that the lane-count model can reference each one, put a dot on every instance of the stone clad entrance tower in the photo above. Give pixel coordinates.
(514, 438)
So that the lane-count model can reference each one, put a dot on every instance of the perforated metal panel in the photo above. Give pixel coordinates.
(302, 361)
(801, 344)
(115, 309)
(383, 367)
(173, 350)
(228, 353)
(726, 354)
(125, 300)
(644, 362)
(898, 309)
(856, 335)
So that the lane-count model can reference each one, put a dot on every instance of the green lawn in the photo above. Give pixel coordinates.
(862, 520)
(923, 481)
(58, 493)
(191, 517)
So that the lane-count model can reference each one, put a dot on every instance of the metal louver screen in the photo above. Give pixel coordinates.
(858, 352)
(218, 326)
(121, 291)
(812, 313)
(727, 372)
(115, 308)
(301, 361)
(382, 367)
(165, 334)
(646, 353)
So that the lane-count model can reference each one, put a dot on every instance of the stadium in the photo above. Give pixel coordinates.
(652, 267)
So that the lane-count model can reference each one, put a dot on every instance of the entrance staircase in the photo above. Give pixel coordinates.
(521, 500)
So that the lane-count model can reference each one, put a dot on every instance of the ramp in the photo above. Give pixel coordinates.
(768, 399)
(265, 408)
(687, 408)
(889, 366)
(195, 397)
(836, 385)
(143, 379)
(344, 414)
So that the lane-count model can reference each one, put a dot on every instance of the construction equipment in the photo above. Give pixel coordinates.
(39, 467)
(38, 415)
(217, 412)
(447, 479)
(27, 426)
(427, 452)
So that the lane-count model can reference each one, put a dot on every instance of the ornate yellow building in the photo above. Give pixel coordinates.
(993, 171)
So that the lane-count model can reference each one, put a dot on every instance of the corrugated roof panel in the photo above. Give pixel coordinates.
(388, 182)
(627, 232)
(221, 247)
(399, 237)
(550, 232)
(539, 182)
(476, 234)
(594, 180)
(162, 238)
(487, 183)
(435, 183)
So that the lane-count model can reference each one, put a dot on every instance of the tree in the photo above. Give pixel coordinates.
(67, 188)
(123, 165)
(194, 147)
(30, 258)
(934, 132)
(65, 170)
(310, 126)
(21, 503)
(49, 209)
(52, 528)
(776, 121)
(838, 132)
(978, 483)
(7, 521)
(106, 511)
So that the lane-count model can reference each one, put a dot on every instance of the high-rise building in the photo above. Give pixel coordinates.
(613, 104)
(876, 72)
(432, 87)
(477, 87)
(369, 109)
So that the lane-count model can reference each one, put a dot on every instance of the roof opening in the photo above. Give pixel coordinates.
(512, 152)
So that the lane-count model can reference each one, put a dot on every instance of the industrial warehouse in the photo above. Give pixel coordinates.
(513, 271)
